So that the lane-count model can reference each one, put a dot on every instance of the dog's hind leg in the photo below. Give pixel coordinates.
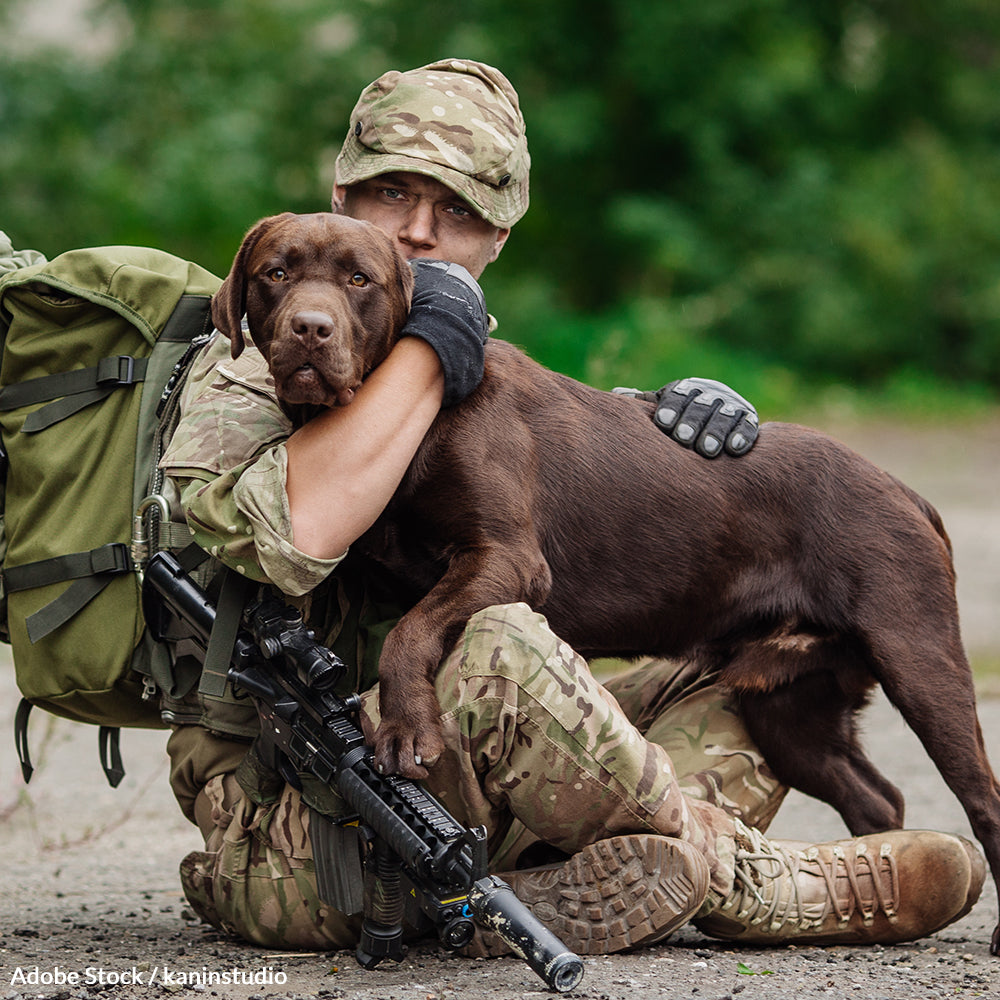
(800, 691)
(807, 732)
(936, 697)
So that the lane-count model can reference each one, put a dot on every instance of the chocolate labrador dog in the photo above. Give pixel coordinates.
(800, 573)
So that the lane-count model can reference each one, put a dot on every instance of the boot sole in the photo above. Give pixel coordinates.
(614, 895)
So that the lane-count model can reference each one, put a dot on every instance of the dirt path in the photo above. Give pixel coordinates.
(90, 878)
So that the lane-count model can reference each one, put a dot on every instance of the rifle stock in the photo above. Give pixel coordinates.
(278, 663)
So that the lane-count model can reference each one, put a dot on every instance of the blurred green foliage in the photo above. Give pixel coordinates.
(767, 191)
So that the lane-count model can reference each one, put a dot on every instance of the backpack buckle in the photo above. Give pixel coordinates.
(116, 370)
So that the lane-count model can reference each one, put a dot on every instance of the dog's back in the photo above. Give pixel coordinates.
(653, 549)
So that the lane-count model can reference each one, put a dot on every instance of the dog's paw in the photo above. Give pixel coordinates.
(409, 738)
(407, 750)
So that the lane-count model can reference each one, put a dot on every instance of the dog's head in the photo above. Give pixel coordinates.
(325, 297)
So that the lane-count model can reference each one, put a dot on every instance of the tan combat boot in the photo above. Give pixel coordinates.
(879, 889)
(616, 894)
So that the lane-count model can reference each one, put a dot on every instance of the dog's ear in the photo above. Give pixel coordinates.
(404, 275)
(230, 302)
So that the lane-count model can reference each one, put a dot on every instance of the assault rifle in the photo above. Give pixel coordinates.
(407, 839)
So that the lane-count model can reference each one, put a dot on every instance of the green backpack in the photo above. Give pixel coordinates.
(94, 348)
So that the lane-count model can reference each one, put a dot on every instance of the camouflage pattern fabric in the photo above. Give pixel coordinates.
(256, 878)
(13, 260)
(536, 748)
(699, 726)
(457, 121)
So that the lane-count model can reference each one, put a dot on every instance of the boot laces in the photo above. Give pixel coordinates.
(768, 886)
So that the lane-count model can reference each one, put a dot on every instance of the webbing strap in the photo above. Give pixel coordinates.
(228, 614)
(21, 739)
(191, 556)
(55, 614)
(191, 318)
(111, 558)
(109, 749)
(92, 571)
(71, 391)
(173, 535)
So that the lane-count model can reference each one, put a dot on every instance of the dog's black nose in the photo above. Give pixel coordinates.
(312, 325)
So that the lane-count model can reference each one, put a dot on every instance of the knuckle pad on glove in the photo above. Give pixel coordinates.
(742, 437)
(716, 432)
(692, 422)
(672, 411)
(665, 416)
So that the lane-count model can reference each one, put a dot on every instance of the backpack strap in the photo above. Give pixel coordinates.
(228, 614)
(109, 749)
(72, 390)
(108, 746)
(21, 738)
(92, 571)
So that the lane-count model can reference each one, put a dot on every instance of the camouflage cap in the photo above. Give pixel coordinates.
(457, 121)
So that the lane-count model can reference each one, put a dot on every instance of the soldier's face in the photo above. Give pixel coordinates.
(425, 218)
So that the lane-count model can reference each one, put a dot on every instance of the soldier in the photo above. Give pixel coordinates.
(618, 812)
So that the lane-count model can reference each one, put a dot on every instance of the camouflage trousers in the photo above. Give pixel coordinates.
(537, 750)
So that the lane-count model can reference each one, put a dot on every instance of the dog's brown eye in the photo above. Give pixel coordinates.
(359, 279)
(278, 274)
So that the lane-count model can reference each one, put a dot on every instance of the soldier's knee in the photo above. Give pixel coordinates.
(504, 619)
(508, 640)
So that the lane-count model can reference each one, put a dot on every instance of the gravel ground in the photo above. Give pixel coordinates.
(91, 889)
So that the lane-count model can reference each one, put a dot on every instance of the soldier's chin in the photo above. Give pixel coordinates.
(306, 387)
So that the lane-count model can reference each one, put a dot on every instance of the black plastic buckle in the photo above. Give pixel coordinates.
(111, 558)
(117, 370)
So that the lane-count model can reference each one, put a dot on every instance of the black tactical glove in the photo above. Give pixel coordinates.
(703, 414)
(449, 312)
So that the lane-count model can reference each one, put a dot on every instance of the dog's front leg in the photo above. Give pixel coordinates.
(409, 736)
